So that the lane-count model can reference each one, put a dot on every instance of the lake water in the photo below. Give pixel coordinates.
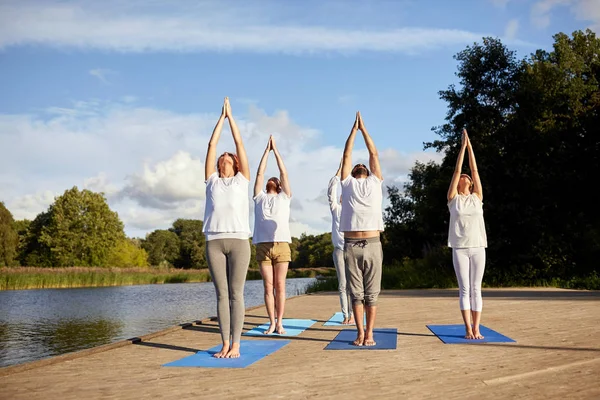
(36, 324)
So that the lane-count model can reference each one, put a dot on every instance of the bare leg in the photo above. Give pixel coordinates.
(280, 275)
(466, 314)
(371, 314)
(266, 270)
(476, 320)
(360, 329)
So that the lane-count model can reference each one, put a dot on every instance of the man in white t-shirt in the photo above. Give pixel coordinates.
(362, 222)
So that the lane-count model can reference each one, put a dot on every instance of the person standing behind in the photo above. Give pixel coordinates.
(467, 238)
(362, 222)
(227, 228)
(337, 239)
(272, 235)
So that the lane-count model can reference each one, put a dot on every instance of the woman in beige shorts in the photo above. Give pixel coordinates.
(272, 235)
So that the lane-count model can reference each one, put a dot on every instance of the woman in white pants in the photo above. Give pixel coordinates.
(467, 238)
(337, 239)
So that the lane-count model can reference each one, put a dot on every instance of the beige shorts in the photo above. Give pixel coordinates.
(273, 253)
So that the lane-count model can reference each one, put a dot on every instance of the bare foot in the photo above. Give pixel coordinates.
(345, 321)
(477, 334)
(234, 352)
(223, 352)
(469, 334)
(369, 341)
(360, 339)
(270, 330)
(280, 329)
(350, 321)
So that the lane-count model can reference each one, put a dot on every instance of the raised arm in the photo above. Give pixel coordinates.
(332, 189)
(211, 153)
(239, 145)
(347, 157)
(283, 176)
(373, 155)
(477, 188)
(260, 174)
(452, 190)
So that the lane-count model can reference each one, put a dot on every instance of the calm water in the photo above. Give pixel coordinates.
(36, 324)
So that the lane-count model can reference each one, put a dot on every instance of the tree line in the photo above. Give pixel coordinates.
(535, 125)
(80, 229)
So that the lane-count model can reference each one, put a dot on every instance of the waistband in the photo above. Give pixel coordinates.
(374, 239)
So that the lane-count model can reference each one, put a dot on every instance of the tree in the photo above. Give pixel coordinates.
(8, 238)
(79, 229)
(191, 243)
(534, 126)
(127, 253)
(162, 247)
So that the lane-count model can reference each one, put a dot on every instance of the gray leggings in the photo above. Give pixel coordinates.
(228, 261)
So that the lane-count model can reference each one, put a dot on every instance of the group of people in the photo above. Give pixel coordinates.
(357, 221)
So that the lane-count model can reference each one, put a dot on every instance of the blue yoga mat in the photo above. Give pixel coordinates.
(292, 327)
(337, 319)
(455, 334)
(386, 339)
(250, 352)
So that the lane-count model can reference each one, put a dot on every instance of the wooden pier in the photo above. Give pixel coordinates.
(556, 356)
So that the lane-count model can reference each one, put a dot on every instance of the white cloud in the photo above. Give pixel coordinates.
(150, 162)
(583, 10)
(208, 26)
(500, 3)
(511, 29)
(102, 74)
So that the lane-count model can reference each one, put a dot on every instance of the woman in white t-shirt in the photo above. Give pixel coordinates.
(467, 238)
(272, 235)
(227, 229)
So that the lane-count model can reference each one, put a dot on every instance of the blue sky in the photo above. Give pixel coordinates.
(122, 98)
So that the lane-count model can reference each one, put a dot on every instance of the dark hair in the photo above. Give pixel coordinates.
(358, 167)
(236, 162)
(276, 182)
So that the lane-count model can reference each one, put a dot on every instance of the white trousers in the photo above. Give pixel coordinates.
(340, 268)
(469, 264)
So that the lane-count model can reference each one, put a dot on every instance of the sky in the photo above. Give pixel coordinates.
(121, 97)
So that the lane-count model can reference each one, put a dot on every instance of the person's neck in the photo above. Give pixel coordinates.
(227, 173)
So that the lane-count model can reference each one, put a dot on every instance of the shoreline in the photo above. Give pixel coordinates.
(28, 278)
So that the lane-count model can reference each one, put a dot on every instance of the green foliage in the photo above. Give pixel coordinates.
(8, 238)
(79, 229)
(313, 251)
(162, 247)
(534, 128)
(127, 253)
(191, 244)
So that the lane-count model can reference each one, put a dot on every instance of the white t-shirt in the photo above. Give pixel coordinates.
(467, 228)
(362, 200)
(226, 212)
(272, 218)
(337, 237)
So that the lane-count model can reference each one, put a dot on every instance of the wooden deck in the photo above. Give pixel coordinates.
(557, 355)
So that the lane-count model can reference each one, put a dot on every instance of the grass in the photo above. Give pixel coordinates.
(428, 273)
(45, 278)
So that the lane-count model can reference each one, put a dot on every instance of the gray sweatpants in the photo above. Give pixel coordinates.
(340, 269)
(364, 259)
(228, 261)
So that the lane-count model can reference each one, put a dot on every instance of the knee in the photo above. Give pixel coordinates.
(371, 299)
(280, 287)
(342, 287)
(268, 288)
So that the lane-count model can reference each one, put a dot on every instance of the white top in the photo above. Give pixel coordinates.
(337, 237)
(226, 212)
(272, 218)
(467, 228)
(362, 200)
